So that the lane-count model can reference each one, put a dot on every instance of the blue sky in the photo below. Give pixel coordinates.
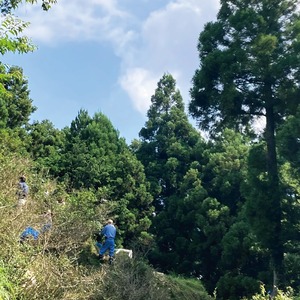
(108, 55)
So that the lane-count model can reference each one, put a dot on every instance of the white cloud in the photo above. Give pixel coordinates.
(168, 43)
(96, 20)
(164, 42)
(111, 6)
(139, 84)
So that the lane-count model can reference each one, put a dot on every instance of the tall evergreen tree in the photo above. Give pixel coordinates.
(15, 108)
(18, 104)
(222, 173)
(191, 228)
(224, 168)
(171, 149)
(135, 203)
(45, 144)
(289, 154)
(95, 158)
(249, 69)
(89, 152)
(168, 141)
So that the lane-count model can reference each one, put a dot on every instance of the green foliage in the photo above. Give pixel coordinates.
(243, 262)
(11, 39)
(7, 289)
(281, 295)
(288, 140)
(92, 156)
(132, 279)
(168, 148)
(12, 28)
(77, 219)
(11, 141)
(89, 151)
(191, 230)
(250, 69)
(225, 168)
(247, 65)
(186, 288)
(233, 286)
(262, 211)
(61, 264)
(199, 215)
(134, 200)
(200, 227)
(167, 141)
(135, 280)
(44, 143)
(292, 267)
(6, 6)
(18, 104)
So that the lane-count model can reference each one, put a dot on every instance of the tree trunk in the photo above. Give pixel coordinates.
(275, 289)
(276, 245)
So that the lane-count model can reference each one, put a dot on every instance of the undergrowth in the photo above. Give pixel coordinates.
(62, 264)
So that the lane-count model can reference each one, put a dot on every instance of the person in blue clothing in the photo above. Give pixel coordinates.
(109, 232)
(31, 231)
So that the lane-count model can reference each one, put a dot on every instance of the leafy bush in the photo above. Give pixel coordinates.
(288, 295)
(134, 279)
(131, 279)
(186, 288)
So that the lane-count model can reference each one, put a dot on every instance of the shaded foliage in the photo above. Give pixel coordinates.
(250, 69)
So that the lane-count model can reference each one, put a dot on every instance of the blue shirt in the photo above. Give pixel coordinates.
(109, 231)
(24, 188)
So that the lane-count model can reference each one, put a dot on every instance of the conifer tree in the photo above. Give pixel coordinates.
(45, 144)
(17, 101)
(95, 157)
(170, 149)
(249, 69)
(168, 141)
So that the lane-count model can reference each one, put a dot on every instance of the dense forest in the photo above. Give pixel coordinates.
(206, 218)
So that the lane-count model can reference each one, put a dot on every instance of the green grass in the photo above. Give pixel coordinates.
(186, 288)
